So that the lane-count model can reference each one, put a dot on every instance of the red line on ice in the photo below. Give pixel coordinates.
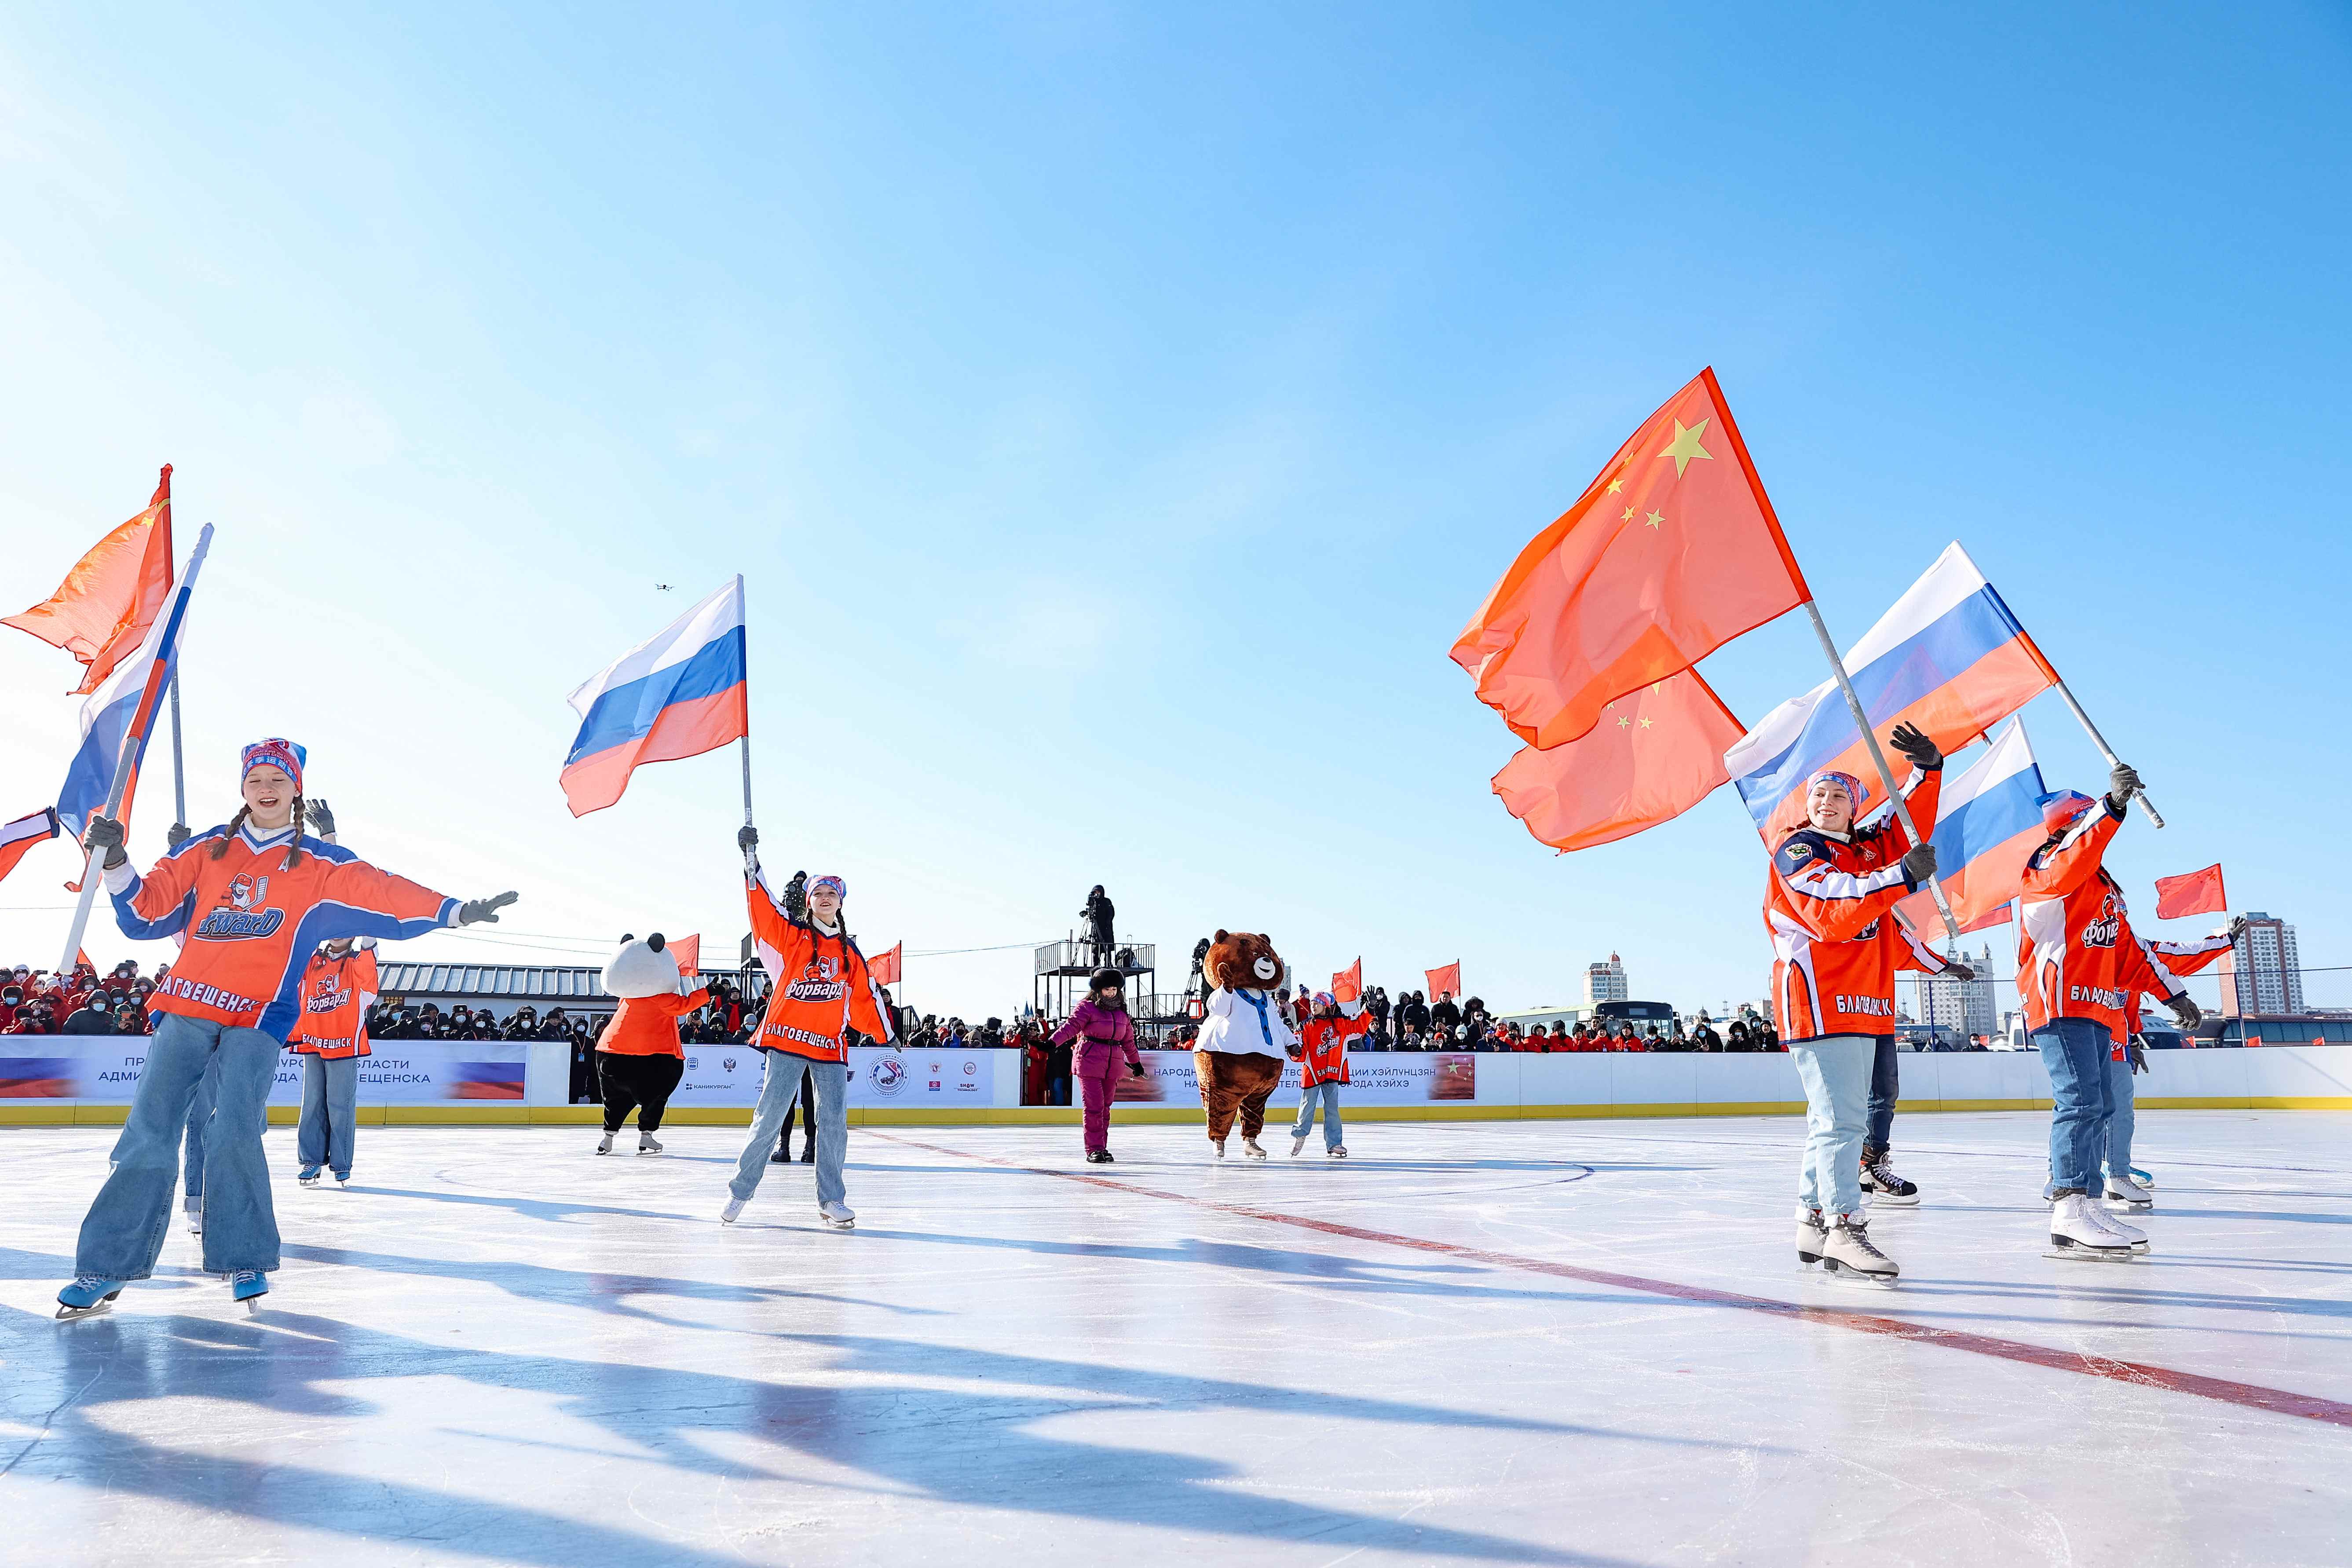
(2251, 1395)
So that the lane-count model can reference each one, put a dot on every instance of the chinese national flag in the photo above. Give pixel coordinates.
(883, 967)
(1445, 982)
(1348, 985)
(1670, 551)
(688, 950)
(101, 613)
(1652, 756)
(2198, 893)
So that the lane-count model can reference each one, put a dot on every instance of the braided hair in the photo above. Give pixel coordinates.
(293, 845)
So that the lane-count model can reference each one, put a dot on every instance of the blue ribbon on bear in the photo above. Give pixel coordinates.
(1258, 1001)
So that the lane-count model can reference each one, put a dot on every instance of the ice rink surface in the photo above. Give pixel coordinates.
(1545, 1343)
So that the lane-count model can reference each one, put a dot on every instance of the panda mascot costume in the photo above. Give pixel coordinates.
(639, 1059)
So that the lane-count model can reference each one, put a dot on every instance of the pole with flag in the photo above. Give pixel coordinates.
(135, 741)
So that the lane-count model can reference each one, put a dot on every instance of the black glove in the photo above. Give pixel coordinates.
(1917, 750)
(1957, 970)
(320, 817)
(2136, 1053)
(2122, 782)
(796, 897)
(2185, 1013)
(176, 834)
(484, 908)
(104, 840)
(1135, 1069)
(1920, 863)
(2237, 930)
(747, 838)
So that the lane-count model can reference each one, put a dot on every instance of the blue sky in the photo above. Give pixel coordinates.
(1116, 411)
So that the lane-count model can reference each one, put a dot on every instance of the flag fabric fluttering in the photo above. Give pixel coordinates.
(1670, 551)
(1445, 982)
(678, 694)
(1988, 825)
(2192, 893)
(109, 716)
(1947, 657)
(687, 953)
(1348, 985)
(103, 610)
(18, 837)
(1654, 754)
(883, 968)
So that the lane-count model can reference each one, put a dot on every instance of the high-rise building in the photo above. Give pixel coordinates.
(1967, 1007)
(2261, 974)
(1605, 982)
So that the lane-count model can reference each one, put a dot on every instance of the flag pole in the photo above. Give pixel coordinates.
(179, 774)
(1878, 757)
(2107, 751)
(745, 739)
(144, 716)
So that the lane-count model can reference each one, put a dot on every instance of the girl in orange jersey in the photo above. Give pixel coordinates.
(254, 898)
(338, 988)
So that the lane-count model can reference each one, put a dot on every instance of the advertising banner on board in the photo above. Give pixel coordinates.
(1375, 1077)
(732, 1075)
(106, 1068)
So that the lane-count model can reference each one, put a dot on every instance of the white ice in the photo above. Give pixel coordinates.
(497, 1348)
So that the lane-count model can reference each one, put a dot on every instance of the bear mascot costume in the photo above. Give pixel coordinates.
(1244, 1036)
(638, 1058)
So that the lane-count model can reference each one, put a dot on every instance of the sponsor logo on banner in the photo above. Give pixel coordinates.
(888, 1075)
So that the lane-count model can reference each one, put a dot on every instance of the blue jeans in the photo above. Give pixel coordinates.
(330, 1097)
(1885, 1085)
(124, 1228)
(2120, 1120)
(1836, 1072)
(200, 1118)
(2074, 1050)
(829, 1117)
(1329, 1093)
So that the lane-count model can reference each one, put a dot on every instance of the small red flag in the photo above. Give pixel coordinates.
(1671, 551)
(883, 967)
(1654, 755)
(1445, 982)
(1348, 985)
(2197, 894)
(101, 613)
(687, 951)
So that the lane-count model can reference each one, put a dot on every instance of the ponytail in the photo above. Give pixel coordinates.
(294, 844)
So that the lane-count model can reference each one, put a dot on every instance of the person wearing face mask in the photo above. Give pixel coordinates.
(1829, 906)
(822, 993)
(250, 897)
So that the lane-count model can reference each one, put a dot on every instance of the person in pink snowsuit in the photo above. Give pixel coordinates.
(1102, 1029)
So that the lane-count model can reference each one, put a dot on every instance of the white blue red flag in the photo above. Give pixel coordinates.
(120, 712)
(1949, 657)
(678, 694)
(1988, 824)
(17, 837)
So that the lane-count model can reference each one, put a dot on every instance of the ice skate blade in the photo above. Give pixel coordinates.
(74, 1314)
(2143, 1205)
(1894, 1201)
(1834, 1270)
(2078, 1252)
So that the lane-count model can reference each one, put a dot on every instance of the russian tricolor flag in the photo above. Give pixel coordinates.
(679, 694)
(1949, 657)
(1989, 826)
(111, 714)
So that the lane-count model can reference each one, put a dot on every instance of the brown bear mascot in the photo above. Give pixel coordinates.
(1244, 1035)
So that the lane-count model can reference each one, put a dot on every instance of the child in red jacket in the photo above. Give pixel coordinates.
(1322, 1057)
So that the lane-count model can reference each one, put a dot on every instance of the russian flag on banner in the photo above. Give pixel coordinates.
(1990, 824)
(679, 694)
(109, 715)
(1949, 657)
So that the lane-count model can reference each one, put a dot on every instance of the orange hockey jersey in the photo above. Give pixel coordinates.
(336, 995)
(1323, 1047)
(647, 1025)
(251, 925)
(2077, 954)
(1829, 905)
(821, 989)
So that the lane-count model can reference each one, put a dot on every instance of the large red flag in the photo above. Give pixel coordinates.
(687, 953)
(101, 613)
(1654, 755)
(1445, 982)
(1348, 985)
(2197, 894)
(1671, 551)
(883, 967)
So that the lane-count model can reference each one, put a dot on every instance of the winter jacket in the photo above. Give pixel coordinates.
(1100, 1033)
(2076, 957)
(822, 989)
(1323, 1044)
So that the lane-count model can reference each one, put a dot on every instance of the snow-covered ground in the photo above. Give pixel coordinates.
(1548, 1343)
